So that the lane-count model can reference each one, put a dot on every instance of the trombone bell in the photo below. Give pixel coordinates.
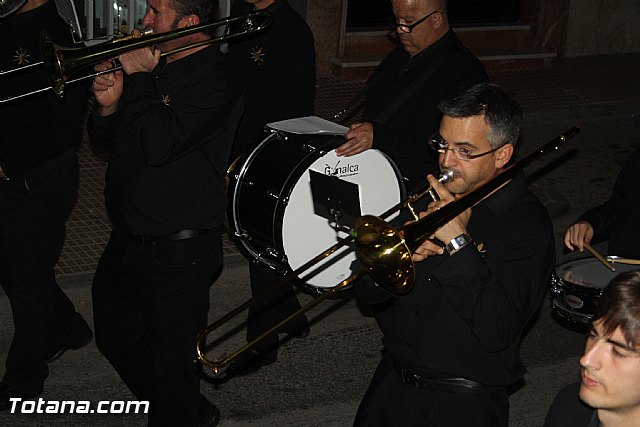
(53, 67)
(383, 251)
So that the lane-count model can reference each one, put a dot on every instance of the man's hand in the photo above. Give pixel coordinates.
(453, 228)
(577, 235)
(359, 138)
(142, 60)
(107, 88)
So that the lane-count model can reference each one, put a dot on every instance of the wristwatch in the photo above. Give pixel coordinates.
(458, 243)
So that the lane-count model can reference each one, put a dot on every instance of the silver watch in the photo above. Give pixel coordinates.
(458, 243)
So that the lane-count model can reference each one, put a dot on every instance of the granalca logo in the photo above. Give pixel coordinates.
(341, 170)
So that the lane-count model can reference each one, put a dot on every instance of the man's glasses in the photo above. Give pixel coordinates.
(409, 28)
(437, 143)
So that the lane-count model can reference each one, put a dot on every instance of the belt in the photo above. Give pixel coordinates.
(416, 379)
(187, 233)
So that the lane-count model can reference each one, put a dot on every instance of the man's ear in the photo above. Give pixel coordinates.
(438, 20)
(190, 20)
(503, 155)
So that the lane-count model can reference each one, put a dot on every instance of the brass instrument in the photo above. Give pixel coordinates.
(60, 63)
(384, 251)
(7, 7)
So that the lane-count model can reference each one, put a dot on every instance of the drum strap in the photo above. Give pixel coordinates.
(594, 422)
(399, 101)
(391, 109)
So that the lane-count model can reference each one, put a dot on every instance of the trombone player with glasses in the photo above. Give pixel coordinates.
(451, 344)
(169, 123)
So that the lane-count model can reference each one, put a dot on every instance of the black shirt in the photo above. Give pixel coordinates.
(170, 146)
(467, 312)
(40, 127)
(617, 218)
(276, 71)
(567, 410)
(404, 136)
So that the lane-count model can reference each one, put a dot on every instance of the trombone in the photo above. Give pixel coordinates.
(384, 251)
(60, 63)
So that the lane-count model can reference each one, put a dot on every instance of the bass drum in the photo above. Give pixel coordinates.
(271, 208)
(577, 285)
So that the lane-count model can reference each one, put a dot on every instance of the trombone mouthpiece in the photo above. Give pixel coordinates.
(445, 176)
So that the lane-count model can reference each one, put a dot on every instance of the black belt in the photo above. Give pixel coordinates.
(416, 379)
(187, 233)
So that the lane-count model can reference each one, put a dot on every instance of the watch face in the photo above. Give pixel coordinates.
(458, 242)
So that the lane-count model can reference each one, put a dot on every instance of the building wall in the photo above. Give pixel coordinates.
(326, 20)
(598, 27)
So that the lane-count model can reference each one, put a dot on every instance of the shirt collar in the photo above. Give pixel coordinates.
(500, 201)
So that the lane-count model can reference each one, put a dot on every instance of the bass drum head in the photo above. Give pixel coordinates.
(306, 234)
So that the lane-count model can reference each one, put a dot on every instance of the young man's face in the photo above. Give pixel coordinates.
(610, 373)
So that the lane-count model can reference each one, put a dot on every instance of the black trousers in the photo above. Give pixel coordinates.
(150, 300)
(388, 402)
(33, 213)
(272, 310)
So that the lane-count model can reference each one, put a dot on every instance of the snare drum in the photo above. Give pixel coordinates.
(577, 285)
(272, 209)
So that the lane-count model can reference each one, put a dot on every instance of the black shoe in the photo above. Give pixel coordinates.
(300, 333)
(54, 353)
(251, 362)
(7, 393)
(208, 414)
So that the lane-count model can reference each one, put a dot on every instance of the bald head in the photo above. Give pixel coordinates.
(426, 19)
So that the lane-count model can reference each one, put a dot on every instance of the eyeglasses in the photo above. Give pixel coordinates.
(409, 28)
(437, 143)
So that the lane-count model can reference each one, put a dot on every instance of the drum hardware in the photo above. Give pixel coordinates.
(384, 251)
(60, 63)
(241, 235)
(273, 195)
(577, 285)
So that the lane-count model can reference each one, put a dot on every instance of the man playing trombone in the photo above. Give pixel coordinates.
(451, 344)
(169, 124)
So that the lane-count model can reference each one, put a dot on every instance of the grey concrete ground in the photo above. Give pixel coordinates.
(318, 381)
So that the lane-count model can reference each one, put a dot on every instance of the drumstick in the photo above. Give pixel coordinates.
(599, 257)
(624, 261)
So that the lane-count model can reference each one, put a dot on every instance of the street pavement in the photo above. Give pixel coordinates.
(318, 381)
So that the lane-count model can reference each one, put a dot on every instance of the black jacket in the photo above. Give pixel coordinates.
(404, 135)
(467, 312)
(170, 142)
(40, 127)
(275, 70)
(617, 218)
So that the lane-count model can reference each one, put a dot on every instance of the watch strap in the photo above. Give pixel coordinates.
(458, 243)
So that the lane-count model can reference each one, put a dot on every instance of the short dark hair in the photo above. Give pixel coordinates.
(501, 112)
(619, 305)
(203, 9)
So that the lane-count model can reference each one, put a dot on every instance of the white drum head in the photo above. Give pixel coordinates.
(305, 234)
